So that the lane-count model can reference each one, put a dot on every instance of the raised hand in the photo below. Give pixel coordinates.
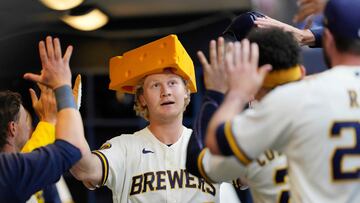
(214, 73)
(241, 62)
(45, 106)
(55, 68)
(308, 8)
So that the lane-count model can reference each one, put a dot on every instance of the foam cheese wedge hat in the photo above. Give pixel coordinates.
(132, 66)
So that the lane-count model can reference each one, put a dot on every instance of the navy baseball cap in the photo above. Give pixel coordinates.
(342, 17)
(241, 26)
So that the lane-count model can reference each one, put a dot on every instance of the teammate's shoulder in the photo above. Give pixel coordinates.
(123, 138)
(120, 141)
(300, 86)
(285, 91)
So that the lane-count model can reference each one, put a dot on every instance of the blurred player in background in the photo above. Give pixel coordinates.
(314, 122)
(24, 174)
(267, 176)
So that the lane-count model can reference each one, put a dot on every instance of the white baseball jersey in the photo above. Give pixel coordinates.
(266, 177)
(140, 168)
(316, 123)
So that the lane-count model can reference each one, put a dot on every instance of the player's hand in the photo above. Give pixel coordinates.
(77, 91)
(303, 37)
(214, 75)
(308, 8)
(241, 62)
(55, 67)
(45, 106)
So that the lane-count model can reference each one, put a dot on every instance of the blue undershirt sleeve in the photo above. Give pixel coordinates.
(318, 32)
(21, 175)
(210, 103)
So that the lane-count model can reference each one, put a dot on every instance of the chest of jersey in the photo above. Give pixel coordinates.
(155, 172)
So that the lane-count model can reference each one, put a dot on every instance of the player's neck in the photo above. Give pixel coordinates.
(346, 60)
(8, 148)
(167, 133)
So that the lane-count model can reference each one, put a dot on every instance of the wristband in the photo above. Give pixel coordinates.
(64, 98)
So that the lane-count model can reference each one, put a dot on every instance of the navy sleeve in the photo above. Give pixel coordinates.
(51, 194)
(317, 32)
(21, 175)
(209, 105)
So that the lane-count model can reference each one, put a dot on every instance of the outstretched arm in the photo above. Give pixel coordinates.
(303, 36)
(244, 79)
(215, 86)
(24, 174)
(56, 74)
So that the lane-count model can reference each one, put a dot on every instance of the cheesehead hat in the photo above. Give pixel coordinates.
(132, 66)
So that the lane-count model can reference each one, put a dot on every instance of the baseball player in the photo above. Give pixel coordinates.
(149, 165)
(314, 122)
(23, 174)
(266, 176)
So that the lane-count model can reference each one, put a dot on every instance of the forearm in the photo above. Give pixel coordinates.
(70, 128)
(307, 39)
(232, 105)
(214, 165)
(303, 37)
(88, 170)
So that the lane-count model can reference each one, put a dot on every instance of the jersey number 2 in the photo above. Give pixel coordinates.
(342, 152)
(280, 178)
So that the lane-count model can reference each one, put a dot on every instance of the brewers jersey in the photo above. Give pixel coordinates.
(140, 168)
(266, 177)
(316, 123)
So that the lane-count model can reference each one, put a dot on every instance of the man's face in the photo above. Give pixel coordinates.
(24, 125)
(164, 95)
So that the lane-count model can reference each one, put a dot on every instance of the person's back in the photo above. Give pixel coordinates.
(323, 129)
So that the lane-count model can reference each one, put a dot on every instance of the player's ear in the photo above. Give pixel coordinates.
(328, 40)
(12, 129)
(187, 93)
(303, 71)
(142, 100)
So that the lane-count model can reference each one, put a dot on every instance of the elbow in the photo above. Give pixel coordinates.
(78, 174)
